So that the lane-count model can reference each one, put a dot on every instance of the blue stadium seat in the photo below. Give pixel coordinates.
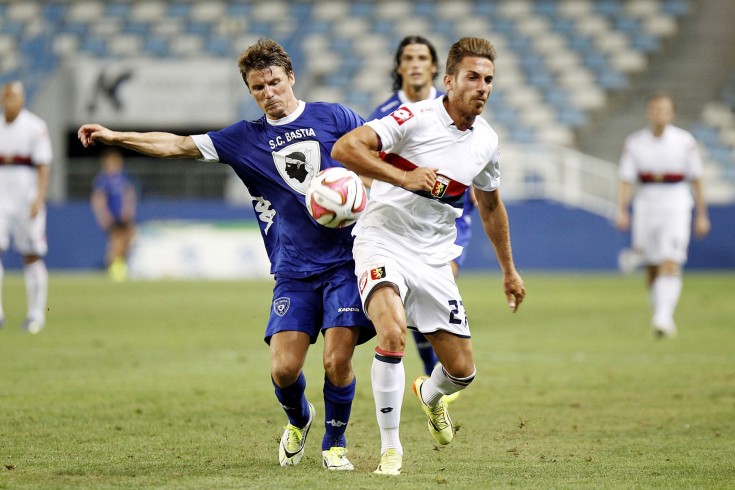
(156, 46)
(117, 9)
(53, 12)
(136, 27)
(94, 46)
(179, 9)
(677, 8)
(13, 28)
(219, 46)
(608, 7)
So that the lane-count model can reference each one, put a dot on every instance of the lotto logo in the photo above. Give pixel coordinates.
(401, 115)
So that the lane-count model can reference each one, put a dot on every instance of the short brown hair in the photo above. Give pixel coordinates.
(468, 46)
(261, 55)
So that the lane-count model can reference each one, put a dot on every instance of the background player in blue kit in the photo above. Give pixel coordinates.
(113, 204)
(416, 68)
(276, 156)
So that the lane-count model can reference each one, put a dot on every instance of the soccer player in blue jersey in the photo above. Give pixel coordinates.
(315, 287)
(113, 204)
(416, 68)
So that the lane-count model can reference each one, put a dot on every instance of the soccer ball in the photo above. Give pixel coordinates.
(336, 197)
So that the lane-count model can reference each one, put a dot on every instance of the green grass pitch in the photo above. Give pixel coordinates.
(166, 385)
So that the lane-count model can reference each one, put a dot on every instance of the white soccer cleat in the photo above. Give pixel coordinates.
(293, 441)
(335, 459)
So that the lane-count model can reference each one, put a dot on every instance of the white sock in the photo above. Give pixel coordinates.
(389, 382)
(2, 276)
(666, 291)
(36, 277)
(441, 383)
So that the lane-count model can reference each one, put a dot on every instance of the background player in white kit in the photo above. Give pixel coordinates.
(431, 152)
(664, 162)
(25, 159)
(315, 290)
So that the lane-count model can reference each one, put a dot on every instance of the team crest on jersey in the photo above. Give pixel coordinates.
(440, 186)
(280, 306)
(401, 115)
(377, 273)
(298, 163)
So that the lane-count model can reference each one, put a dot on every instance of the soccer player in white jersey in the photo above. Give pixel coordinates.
(315, 290)
(430, 152)
(25, 159)
(663, 162)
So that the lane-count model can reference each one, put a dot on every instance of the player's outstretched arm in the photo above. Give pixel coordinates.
(155, 144)
(358, 151)
(495, 222)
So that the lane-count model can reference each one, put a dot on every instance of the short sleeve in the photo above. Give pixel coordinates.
(206, 146)
(41, 154)
(489, 178)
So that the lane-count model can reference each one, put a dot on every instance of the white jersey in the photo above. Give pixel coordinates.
(24, 144)
(423, 135)
(663, 166)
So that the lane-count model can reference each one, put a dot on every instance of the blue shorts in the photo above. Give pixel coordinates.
(317, 303)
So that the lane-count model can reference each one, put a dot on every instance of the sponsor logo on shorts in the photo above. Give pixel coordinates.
(401, 115)
(344, 309)
(280, 306)
(440, 186)
(377, 273)
(362, 282)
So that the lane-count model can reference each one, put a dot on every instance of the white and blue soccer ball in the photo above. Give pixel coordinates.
(336, 197)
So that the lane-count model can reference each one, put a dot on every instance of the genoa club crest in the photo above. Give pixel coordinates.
(440, 186)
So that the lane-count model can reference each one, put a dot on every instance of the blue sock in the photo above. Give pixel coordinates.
(337, 408)
(426, 351)
(293, 401)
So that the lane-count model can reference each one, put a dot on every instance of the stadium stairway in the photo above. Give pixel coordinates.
(693, 67)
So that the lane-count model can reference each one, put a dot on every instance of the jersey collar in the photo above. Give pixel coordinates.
(290, 118)
(445, 118)
(404, 100)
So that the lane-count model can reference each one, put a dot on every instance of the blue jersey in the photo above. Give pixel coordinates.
(464, 222)
(113, 186)
(276, 161)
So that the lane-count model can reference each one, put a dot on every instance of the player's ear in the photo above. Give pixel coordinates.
(291, 78)
(448, 81)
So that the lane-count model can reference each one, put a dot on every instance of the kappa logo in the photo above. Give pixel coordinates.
(336, 423)
(298, 163)
(440, 186)
(401, 115)
(377, 273)
(281, 305)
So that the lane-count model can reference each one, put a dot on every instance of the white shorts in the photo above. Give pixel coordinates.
(429, 293)
(28, 235)
(661, 236)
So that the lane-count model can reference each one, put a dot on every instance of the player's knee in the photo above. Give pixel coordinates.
(462, 377)
(284, 375)
(337, 364)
